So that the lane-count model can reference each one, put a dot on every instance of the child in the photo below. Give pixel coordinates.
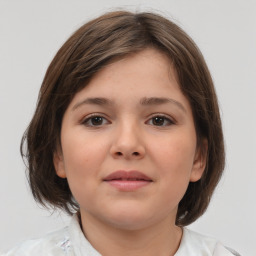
(127, 138)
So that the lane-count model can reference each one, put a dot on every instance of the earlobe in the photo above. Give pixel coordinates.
(59, 164)
(200, 161)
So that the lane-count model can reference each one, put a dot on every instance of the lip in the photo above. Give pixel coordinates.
(127, 180)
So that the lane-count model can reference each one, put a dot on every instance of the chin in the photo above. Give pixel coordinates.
(129, 224)
(131, 219)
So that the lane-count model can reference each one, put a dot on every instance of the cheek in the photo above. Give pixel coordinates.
(81, 173)
(81, 150)
(175, 157)
(174, 160)
(175, 153)
(83, 157)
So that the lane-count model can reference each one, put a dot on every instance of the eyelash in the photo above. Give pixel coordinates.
(89, 119)
(166, 119)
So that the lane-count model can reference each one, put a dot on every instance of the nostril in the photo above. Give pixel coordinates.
(127, 154)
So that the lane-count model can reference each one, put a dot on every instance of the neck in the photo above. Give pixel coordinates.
(159, 239)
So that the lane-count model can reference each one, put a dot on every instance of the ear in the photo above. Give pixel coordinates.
(200, 161)
(58, 162)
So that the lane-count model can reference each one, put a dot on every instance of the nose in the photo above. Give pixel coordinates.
(128, 143)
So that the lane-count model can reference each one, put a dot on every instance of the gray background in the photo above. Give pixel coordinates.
(225, 30)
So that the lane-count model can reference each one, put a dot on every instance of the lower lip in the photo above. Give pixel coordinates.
(128, 185)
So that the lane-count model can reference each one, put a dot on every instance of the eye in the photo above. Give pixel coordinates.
(95, 120)
(160, 120)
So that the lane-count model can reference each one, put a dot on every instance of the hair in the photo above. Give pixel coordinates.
(92, 47)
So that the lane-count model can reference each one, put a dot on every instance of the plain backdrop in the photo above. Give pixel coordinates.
(225, 30)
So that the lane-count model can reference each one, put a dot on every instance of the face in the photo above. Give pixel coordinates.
(128, 143)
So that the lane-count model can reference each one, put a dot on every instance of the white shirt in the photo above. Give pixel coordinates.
(70, 241)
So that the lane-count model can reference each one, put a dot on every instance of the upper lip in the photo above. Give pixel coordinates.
(127, 175)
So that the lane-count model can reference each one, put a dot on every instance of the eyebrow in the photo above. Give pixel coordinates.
(93, 101)
(144, 102)
(159, 101)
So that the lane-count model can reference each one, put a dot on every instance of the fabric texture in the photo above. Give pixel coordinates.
(70, 241)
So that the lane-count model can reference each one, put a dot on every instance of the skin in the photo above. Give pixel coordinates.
(157, 138)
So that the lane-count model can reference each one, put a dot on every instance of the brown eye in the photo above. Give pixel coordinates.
(93, 121)
(160, 121)
(97, 120)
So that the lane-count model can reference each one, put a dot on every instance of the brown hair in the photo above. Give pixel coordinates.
(92, 47)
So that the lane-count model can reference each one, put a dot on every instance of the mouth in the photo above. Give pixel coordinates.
(127, 180)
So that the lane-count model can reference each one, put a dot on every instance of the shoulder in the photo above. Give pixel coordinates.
(196, 244)
(55, 243)
(68, 241)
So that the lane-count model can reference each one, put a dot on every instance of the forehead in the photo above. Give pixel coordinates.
(146, 74)
(140, 70)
